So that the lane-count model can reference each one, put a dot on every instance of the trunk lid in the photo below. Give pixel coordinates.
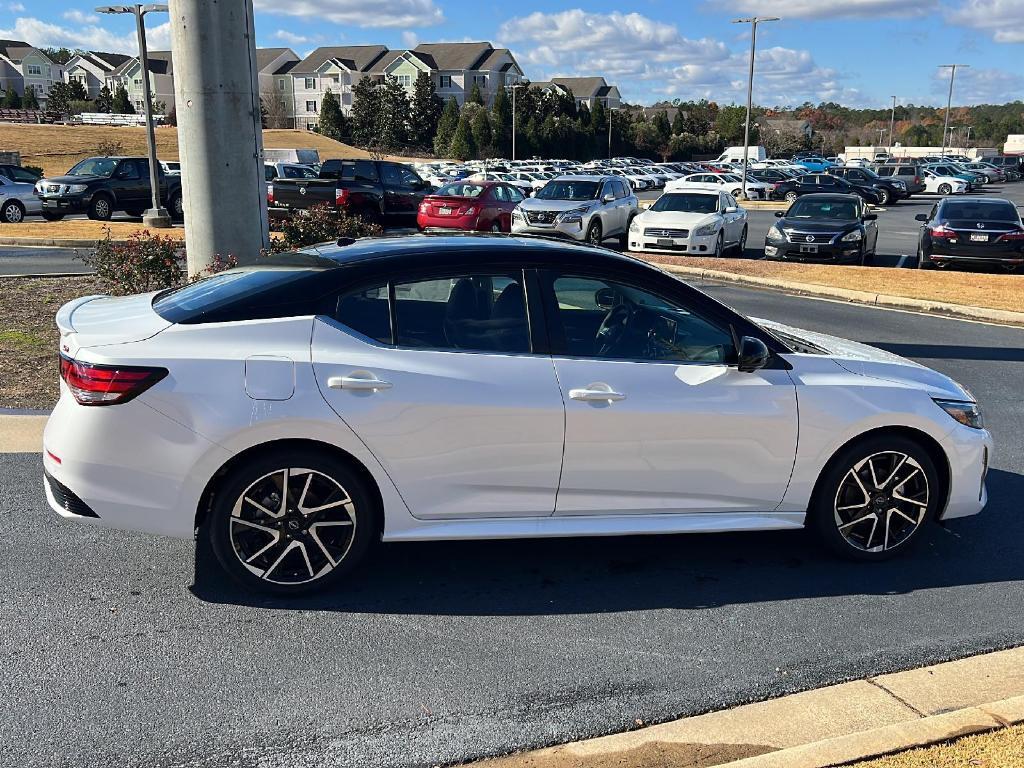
(94, 321)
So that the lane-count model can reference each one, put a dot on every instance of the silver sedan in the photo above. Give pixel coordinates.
(17, 200)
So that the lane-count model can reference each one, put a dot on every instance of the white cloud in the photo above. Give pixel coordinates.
(15, 7)
(979, 86)
(399, 13)
(42, 34)
(290, 37)
(819, 9)
(1003, 19)
(79, 17)
(410, 39)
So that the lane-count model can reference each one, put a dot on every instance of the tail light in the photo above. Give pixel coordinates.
(340, 197)
(469, 211)
(107, 384)
(1010, 236)
(942, 232)
(424, 207)
(270, 195)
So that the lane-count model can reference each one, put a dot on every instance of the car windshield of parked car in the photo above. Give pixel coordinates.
(570, 190)
(731, 177)
(994, 211)
(805, 208)
(94, 166)
(686, 203)
(461, 189)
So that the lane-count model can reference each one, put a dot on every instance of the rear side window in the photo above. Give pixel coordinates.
(366, 311)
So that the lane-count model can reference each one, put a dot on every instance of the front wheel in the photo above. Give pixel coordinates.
(874, 497)
(496, 226)
(595, 236)
(741, 246)
(12, 212)
(884, 197)
(101, 208)
(291, 522)
(791, 197)
(719, 246)
(945, 189)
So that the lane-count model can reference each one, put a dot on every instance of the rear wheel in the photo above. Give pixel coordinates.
(496, 226)
(177, 207)
(791, 197)
(12, 212)
(923, 262)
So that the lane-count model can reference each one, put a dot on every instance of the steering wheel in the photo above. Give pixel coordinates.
(613, 328)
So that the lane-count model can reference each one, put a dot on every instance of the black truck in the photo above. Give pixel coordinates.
(380, 191)
(101, 186)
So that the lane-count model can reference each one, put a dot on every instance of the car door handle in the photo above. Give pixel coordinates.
(358, 383)
(596, 393)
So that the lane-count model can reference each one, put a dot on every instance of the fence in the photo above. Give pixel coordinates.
(28, 116)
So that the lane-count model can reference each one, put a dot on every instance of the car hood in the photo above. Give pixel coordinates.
(676, 219)
(865, 360)
(72, 179)
(824, 226)
(536, 204)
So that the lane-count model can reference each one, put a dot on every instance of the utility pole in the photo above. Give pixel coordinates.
(157, 216)
(949, 100)
(892, 123)
(514, 88)
(753, 21)
(610, 110)
(219, 129)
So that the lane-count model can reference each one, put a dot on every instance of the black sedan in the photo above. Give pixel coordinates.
(815, 183)
(825, 228)
(889, 190)
(986, 230)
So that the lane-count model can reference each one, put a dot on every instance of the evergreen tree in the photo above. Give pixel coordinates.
(121, 104)
(501, 123)
(483, 136)
(104, 100)
(11, 99)
(76, 91)
(730, 123)
(475, 95)
(599, 129)
(331, 120)
(58, 98)
(462, 147)
(31, 101)
(394, 114)
(365, 113)
(446, 127)
(662, 126)
(679, 123)
(425, 112)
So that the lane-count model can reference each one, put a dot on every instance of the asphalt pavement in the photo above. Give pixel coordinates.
(123, 649)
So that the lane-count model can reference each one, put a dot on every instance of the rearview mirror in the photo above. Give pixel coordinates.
(752, 355)
(869, 217)
(604, 298)
(921, 217)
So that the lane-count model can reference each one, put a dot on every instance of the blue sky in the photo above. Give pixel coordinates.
(857, 52)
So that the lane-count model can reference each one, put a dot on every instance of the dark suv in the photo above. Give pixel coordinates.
(890, 190)
(909, 173)
(100, 186)
(812, 183)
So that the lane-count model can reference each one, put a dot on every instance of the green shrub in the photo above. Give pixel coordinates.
(145, 262)
(320, 224)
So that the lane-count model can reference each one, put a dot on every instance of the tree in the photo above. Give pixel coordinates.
(647, 138)
(11, 99)
(77, 91)
(331, 121)
(31, 100)
(394, 114)
(483, 136)
(121, 104)
(475, 96)
(501, 123)
(364, 118)
(662, 126)
(679, 123)
(462, 147)
(446, 127)
(60, 55)
(730, 123)
(425, 112)
(59, 98)
(104, 100)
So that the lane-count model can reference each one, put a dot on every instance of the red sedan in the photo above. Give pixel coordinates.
(474, 206)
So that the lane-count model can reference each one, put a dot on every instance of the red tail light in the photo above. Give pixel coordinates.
(270, 195)
(1010, 236)
(107, 384)
(340, 197)
(942, 232)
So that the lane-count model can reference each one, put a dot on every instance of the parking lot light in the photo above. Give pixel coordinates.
(949, 100)
(753, 21)
(892, 123)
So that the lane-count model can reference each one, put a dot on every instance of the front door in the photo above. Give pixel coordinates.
(657, 419)
(465, 419)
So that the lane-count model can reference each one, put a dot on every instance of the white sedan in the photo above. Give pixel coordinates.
(938, 184)
(291, 413)
(692, 223)
(729, 182)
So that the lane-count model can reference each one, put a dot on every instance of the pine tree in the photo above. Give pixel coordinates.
(331, 121)
(365, 113)
(11, 99)
(104, 100)
(679, 123)
(462, 141)
(483, 136)
(394, 114)
(501, 123)
(662, 126)
(425, 112)
(475, 95)
(76, 91)
(121, 104)
(446, 127)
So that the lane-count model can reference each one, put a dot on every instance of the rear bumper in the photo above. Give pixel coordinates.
(447, 223)
(1008, 254)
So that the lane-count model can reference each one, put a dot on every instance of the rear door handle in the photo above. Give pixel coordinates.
(358, 383)
(596, 393)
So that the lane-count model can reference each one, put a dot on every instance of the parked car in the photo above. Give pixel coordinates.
(813, 163)
(952, 169)
(534, 179)
(101, 186)
(984, 230)
(18, 199)
(715, 182)
(591, 208)
(909, 173)
(476, 206)
(381, 191)
(525, 185)
(411, 396)
(18, 174)
(692, 222)
(992, 174)
(938, 184)
(823, 182)
(636, 181)
(824, 227)
(1013, 163)
(890, 190)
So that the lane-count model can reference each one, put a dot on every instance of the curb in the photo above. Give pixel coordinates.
(53, 242)
(960, 311)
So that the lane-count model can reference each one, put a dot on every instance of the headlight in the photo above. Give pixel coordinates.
(852, 237)
(75, 189)
(574, 216)
(707, 230)
(968, 414)
(634, 225)
(900, 185)
(775, 235)
(518, 214)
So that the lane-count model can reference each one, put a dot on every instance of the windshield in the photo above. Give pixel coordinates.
(570, 190)
(805, 208)
(731, 177)
(979, 211)
(94, 166)
(687, 203)
(460, 189)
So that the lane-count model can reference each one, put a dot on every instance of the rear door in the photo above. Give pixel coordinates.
(131, 187)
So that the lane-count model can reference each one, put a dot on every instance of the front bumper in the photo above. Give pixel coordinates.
(822, 252)
(66, 203)
(969, 452)
(691, 245)
(574, 230)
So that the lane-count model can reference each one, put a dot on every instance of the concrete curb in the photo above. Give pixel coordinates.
(830, 726)
(961, 311)
(21, 430)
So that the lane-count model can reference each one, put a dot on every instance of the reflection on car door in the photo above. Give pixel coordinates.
(656, 419)
(465, 419)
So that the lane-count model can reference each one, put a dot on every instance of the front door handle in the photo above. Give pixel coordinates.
(599, 392)
(358, 382)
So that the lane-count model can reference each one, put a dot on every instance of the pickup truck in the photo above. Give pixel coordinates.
(100, 186)
(383, 192)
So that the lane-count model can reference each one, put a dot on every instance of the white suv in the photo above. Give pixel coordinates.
(590, 208)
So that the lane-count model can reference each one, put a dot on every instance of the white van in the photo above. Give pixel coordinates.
(735, 155)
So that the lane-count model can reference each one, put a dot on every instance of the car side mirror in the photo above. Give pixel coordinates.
(731, 209)
(605, 298)
(752, 355)
(779, 214)
(921, 217)
(869, 217)
(609, 198)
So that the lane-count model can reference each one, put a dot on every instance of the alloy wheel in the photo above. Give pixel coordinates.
(292, 526)
(881, 501)
(102, 208)
(13, 214)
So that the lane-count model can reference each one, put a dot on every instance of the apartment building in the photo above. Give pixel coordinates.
(585, 90)
(92, 69)
(330, 68)
(25, 68)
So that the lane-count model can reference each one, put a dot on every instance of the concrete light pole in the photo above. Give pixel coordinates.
(753, 21)
(514, 88)
(220, 131)
(949, 100)
(610, 110)
(892, 122)
(157, 216)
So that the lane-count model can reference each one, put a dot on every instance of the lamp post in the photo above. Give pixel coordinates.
(610, 110)
(753, 21)
(892, 123)
(157, 216)
(949, 100)
(880, 132)
(514, 88)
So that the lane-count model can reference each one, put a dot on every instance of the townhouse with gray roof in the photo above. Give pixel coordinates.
(24, 68)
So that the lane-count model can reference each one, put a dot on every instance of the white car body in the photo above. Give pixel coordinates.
(636, 181)
(934, 181)
(731, 183)
(685, 233)
(525, 186)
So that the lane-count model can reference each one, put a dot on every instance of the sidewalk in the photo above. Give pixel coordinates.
(815, 729)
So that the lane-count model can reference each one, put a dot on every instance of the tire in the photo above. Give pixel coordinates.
(292, 556)
(176, 208)
(923, 262)
(719, 246)
(741, 246)
(791, 197)
(852, 514)
(944, 189)
(595, 234)
(624, 237)
(883, 196)
(101, 208)
(12, 212)
(51, 216)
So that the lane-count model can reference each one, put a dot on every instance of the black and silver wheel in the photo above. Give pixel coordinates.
(12, 212)
(177, 207)
(101, 209)
(883, 196)
(496, 226)
(291, 522)
(875, 497)
(944, 189)
(594, 234)
(791, 197)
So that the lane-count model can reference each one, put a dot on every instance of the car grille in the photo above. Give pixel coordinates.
(810, 237)
(66, 498)
(541, 217)
(650, 232)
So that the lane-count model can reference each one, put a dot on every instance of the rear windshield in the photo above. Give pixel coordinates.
(460, 189)
(994, 211)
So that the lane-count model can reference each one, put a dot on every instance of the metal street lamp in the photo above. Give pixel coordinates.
(949, 100)
(753, 21)
(514, 88)
(157, 216)
(892, 122)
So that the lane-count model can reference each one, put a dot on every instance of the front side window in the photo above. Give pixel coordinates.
(128, 170)
(606, 319)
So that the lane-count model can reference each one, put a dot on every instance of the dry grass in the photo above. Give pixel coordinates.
(56, 148)
(999, 749)
(975, 289)
(82, 229)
